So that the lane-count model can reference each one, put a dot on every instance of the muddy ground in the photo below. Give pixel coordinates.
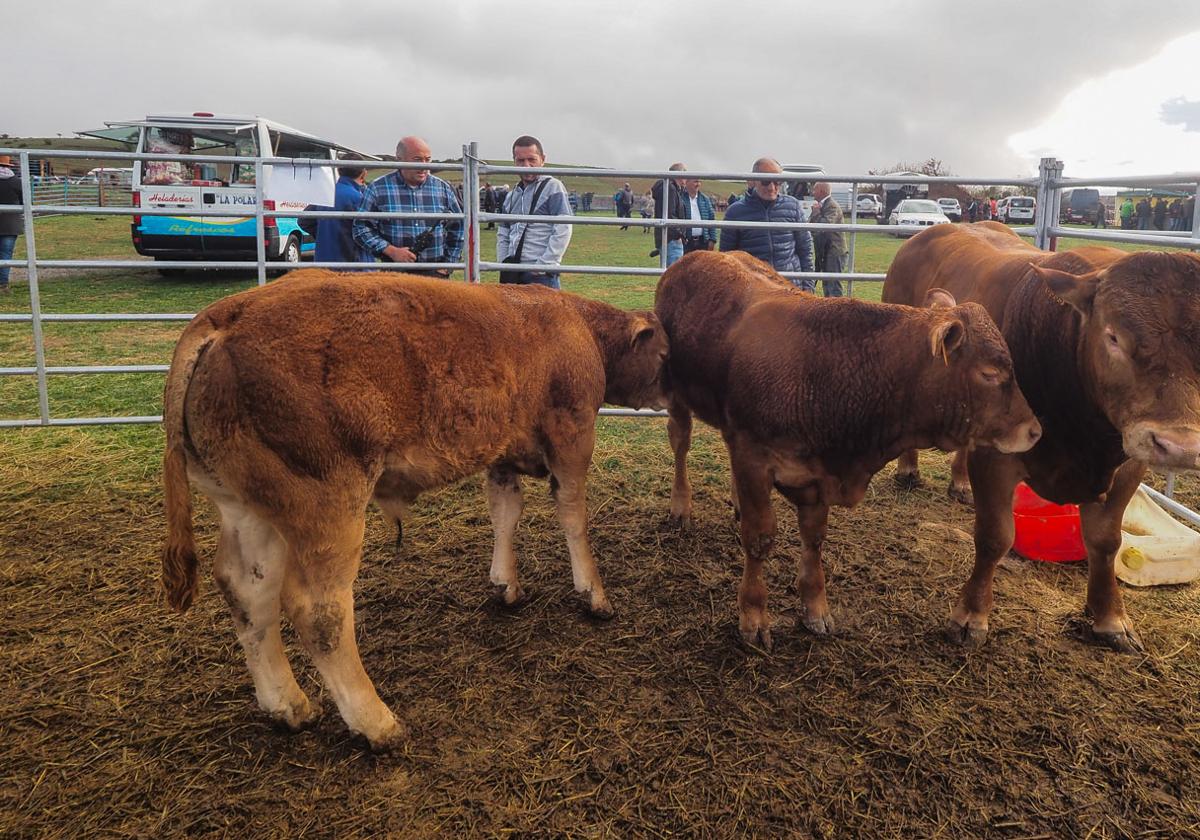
(120, 718)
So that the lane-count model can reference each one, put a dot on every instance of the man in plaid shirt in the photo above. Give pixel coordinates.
(410, 191)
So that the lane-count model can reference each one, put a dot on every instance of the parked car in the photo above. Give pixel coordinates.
(917, 211)
(1016, 208)
(951, 208)
(869, 205)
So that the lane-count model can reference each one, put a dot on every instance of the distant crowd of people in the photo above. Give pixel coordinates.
(415, 241)
(1157, 214)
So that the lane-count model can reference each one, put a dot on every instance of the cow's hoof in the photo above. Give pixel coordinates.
(759, 639)
(682, 522)
(510, 597)
(907, 480)
(821, 625)
(299, 715)
(597, 607)
(965, 635)
(389, 740)
(962, 495)
(1122, 641)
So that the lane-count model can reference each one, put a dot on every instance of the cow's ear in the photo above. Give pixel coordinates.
(642, 329)
(939, 299)
(1079, 290)
(947, 335)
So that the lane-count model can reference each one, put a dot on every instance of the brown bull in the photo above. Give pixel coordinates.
(1106, 347)
(813, 396)
(294, 405)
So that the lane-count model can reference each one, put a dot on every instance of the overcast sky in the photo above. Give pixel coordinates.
(1109, 86)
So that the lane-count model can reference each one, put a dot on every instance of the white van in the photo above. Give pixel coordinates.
(1016, 208)
(185, 186)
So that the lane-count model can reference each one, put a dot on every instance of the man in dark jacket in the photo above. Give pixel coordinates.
(784, 250)
(675, 210)
(11, 224)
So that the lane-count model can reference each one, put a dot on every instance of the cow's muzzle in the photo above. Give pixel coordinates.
(1022, 438)
(1169, 448)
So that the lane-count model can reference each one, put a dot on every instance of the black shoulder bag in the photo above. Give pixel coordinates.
(515, 257)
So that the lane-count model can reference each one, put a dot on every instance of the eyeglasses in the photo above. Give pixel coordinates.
(769, 183)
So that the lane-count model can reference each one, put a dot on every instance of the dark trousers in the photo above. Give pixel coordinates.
(534, 278)
(694, 243)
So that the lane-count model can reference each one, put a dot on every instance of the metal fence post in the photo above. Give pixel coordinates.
(35, 300)
(1049, 169)
(1196, 215)
(471, 206)
(259, 227)
(666, 207)
(853, 236)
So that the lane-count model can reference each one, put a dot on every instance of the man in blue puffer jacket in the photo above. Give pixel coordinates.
(784, 250)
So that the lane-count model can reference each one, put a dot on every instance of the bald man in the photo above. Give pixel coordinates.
(764, 201)
(411, 191)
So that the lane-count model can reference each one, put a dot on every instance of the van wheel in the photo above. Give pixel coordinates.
(291, 251)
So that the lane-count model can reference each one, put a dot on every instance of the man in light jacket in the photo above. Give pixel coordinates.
(538, 242)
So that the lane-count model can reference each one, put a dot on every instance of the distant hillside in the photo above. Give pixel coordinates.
(66, 166)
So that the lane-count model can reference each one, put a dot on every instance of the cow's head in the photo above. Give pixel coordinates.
(1140, 346)
(635, 376)
(971, 365)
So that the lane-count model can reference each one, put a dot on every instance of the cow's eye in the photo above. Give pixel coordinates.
(1113, 341)
(990, 375)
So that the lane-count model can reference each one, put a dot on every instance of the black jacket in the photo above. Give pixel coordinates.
(675, 210)
(11, 224)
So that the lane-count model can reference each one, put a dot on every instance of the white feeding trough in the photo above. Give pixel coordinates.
(1155, 547)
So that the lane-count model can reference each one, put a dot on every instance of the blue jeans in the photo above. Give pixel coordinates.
(804, 284)
(7, 243)
(533, 278)
(674, 251)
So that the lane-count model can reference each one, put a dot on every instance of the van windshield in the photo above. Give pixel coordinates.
(200, 140)
(1021, 202)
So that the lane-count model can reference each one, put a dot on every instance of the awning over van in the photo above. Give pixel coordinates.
(126, 131)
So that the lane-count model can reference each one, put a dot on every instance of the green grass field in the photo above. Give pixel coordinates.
(132, 291)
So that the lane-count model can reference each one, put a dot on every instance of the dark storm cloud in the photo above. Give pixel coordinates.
(1181, 111)
(638, 84)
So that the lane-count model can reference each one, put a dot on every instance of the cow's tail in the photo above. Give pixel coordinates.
(179, 553)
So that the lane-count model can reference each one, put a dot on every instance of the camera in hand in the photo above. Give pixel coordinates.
(422, 241)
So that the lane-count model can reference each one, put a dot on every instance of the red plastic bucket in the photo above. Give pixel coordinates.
(1044, 530)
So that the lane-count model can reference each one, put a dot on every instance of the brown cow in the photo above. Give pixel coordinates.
(813, 396)
(1106, 347)
(293, 405)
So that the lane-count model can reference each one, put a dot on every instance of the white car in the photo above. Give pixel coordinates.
(869, 205)
(917, 211)
(1016, 208)
(951, 208)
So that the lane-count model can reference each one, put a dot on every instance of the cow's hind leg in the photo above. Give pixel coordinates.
(1102, 536)
(959, 488)
(908, 472)
(504, 504)
(993, 477)
(568, 482)
(319, 599)
(757, 525)
(679, 433)
(250, 567)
